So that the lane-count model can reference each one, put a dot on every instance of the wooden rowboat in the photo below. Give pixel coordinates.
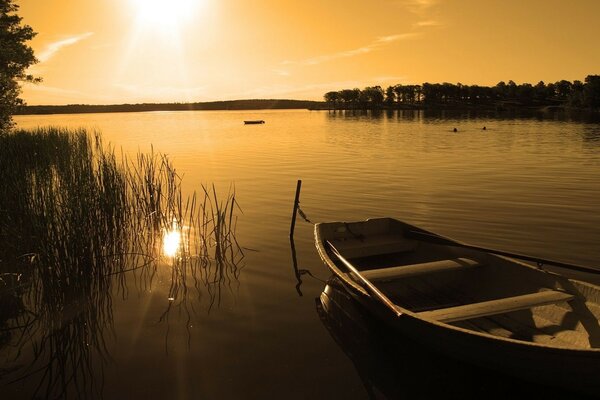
(470, 304)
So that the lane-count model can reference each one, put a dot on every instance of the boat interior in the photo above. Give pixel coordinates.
(467, 288)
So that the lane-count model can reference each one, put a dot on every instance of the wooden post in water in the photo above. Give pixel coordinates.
(296, 201)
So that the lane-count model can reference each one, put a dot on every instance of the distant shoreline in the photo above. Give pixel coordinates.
(286, 104)
(268, 104)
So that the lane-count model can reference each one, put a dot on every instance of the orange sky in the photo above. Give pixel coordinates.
(131, 51)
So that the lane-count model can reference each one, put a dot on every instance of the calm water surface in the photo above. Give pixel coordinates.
(524, 185)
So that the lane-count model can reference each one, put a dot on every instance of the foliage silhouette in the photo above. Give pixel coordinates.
(15, 57)
(503, 95)
(73, 221)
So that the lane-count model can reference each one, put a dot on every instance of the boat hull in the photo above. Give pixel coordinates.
(575, 368)
(376, 353)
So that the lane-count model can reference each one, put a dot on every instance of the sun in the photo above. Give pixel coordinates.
(164, 15)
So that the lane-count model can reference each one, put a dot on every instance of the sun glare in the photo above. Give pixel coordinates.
(171, 242)
(164, 14)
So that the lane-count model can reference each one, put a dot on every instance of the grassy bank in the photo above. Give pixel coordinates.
(74, 218)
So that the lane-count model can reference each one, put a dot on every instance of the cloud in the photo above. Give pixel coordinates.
(281, 72)
(423, 24)
(53, 48)
(419, 7)
(376, 44)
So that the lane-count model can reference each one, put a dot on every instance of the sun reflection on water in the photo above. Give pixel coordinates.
(172, 241)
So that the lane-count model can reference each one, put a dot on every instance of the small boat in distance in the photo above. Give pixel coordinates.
(474, 305)
(254, 122)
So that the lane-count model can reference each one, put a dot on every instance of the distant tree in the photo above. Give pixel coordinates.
(591, 91)
(417, 93)
(501, 90)
(550, 91)
(576, 95)
(390, 95)
(511, 89)
(563, 89)
(408, 94)
(332, 98)
(371, 97)
(429, 93)
(400, 93)
(350, 96)
(525, 93)
(15, 57)
(540, 91)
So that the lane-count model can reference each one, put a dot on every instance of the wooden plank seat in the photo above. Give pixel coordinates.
(366, 246)
(499, 306)
(405, 271)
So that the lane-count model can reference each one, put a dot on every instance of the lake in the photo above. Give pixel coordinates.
(528, 185)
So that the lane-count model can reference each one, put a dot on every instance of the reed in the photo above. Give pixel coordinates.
(74, 218)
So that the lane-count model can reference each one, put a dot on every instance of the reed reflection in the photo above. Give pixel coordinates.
(73, 221)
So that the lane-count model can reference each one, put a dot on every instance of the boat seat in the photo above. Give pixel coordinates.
(366, 246)
(499, 306)
(405, 271)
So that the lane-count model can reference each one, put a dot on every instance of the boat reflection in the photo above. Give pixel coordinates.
(393, 367)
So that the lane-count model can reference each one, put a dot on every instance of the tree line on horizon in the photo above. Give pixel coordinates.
(576, 94)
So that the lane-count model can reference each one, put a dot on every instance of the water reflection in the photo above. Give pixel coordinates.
(297, 273)
(591, 135)
(74, 223)
(172, 240)
(433, 115)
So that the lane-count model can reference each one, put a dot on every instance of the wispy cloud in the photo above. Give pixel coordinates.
(427, 23)
(375, 45)
(281, 72)
(54, 47)
(419, 7)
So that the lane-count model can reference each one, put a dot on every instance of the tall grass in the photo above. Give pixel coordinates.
(73, 219)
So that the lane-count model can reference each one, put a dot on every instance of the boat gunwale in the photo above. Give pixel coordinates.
(406, 313)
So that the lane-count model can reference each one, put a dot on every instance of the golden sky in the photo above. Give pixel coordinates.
(132, 51)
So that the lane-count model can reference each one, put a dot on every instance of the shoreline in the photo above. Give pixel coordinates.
(285, 104)
(233, 105)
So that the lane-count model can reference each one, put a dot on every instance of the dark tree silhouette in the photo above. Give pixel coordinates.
(372, 96)
(390, 95)
(591, 92)
(15, 57)
(563, 89)
(575, 94)
(332, 98)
